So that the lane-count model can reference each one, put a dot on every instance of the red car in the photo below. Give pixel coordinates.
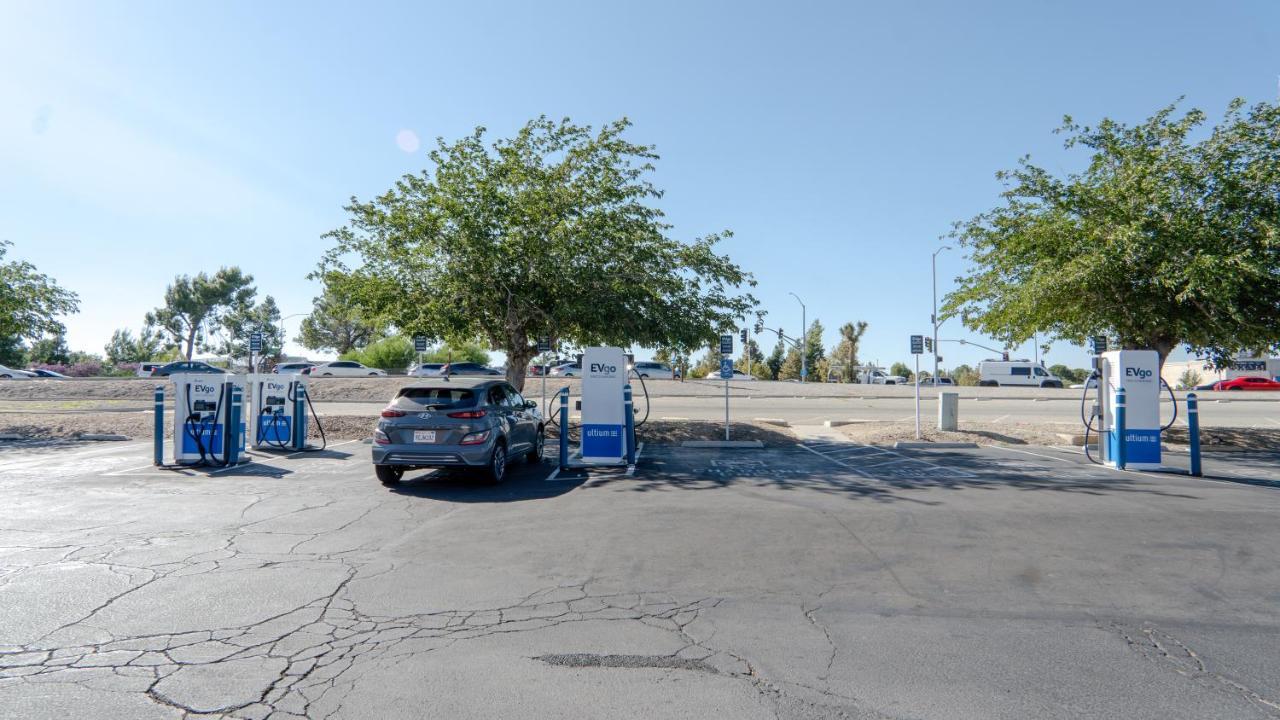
(1247, 383)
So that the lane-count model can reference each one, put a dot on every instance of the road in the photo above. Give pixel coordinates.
(816, 410)
(823, 580)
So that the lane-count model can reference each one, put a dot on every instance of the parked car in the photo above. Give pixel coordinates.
(11, 374)
(425, 370)
(939, 381)
(468, 368)
(343, 368)
(43, 373)
(291, 368)
(187, 366)
(1247, 383)
(476, 423)
(569, 369)
(145, 369)
(994, 373)
(880, 377)
(654, 371)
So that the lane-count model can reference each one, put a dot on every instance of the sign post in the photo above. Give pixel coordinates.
(726, 374)
(544, 346)
(419, 346)
(917, 347)
(255, 346)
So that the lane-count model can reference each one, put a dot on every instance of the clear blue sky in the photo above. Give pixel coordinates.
(837, 140)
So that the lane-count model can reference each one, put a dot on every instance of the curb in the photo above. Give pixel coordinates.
(12, 436)
(101, 436)
(772, 421)
(836, 423)
(934, 445)
(726, 444)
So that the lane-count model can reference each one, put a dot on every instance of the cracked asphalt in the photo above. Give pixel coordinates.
(817, 581)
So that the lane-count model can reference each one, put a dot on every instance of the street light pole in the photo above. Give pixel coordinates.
(804, 333)
(934, 317)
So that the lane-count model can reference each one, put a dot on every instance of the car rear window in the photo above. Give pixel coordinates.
(438, 397)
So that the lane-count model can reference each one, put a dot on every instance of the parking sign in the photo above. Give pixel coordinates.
(726, 368)
(255, 342)
(419, 343)
(544, 344)
(726, 344)
(917, 344)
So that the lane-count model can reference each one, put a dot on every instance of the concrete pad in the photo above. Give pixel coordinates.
(900, 445)
(727, 444)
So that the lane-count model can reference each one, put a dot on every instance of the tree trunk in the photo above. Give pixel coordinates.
(518, 364)
(191, 342)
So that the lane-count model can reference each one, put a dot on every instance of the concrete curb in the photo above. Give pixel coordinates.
(102, 437)
(724, 444)
(934, 445)
(772, 421)
(836, 423)
(12, 436)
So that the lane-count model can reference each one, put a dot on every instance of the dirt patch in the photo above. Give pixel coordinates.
(888, 433)
(138, 426)
(674, 432)
(1231, 437)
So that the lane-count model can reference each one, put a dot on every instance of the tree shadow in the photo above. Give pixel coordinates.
(523, 482)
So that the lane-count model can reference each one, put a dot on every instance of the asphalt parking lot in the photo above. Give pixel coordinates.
(815, 580)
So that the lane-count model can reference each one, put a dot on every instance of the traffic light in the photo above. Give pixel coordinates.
(743, 335)
(928, 343)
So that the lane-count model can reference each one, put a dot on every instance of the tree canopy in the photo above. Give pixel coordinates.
(194, 306)
(1168, 236)
(30, 303)
(552, 232)
(337, 325)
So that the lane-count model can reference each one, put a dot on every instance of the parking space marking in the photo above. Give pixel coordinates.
(878, 461)
(265, 461)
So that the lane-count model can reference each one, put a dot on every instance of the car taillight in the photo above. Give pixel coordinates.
(381, 438)
(468, 414)
(475, 438)
(390, 413)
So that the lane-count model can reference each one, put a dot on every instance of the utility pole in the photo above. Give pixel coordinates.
(934, 317)
(804, 333)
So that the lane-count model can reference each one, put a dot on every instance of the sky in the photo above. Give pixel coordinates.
(838, 141)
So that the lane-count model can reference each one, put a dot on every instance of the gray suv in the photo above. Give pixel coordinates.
(477, 423)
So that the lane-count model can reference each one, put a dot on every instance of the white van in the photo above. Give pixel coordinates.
(993, 373)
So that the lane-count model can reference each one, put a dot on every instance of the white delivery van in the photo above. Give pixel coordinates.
(1024, 373)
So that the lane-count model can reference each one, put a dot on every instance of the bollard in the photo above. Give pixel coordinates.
(1193, 430)
(158, 428)
(564, 428)
(1119, 429)
(231, 433)
(631, 424)
(948, 411)
(300, 417)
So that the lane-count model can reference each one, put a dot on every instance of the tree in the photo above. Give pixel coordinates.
(193, 306)
(1162, 240)
(965, 375)
(29, 306)
(846, 352)
(549, 233)
(776, 360)
(901, 368)
(708, 365)
(1189, 378)
(393, 353)
(813, 362)
(751, 350)
(338, 326)
(458, 352)
(245, 318)
(49, 350)
(125, 348)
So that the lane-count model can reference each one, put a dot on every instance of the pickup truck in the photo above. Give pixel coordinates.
(880, 377)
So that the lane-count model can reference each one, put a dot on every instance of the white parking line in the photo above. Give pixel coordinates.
(827, 457)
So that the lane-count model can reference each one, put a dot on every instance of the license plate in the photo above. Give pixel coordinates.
(424, 436)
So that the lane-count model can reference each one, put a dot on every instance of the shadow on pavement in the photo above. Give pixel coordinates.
(523, 482)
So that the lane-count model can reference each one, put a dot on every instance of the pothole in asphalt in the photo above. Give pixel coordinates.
(583, 660)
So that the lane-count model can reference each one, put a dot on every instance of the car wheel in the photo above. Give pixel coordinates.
(373, 374)
(535, 454)
(988, 383)
(388, 474)
(6, 377)
(1236, 388)
(497, 468)
(326, 374)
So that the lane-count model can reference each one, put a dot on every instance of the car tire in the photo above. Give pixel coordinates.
(1051, 384)
(496, 471)
(988, 383)
(373, 374)
(388, 474)
(326, 375)
(6, 377)
(1230, 389)
(534, 455)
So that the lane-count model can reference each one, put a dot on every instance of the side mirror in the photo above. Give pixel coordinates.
(530, 405)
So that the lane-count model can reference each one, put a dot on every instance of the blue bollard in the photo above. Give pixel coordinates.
(231, 433)
(157, 433)
(1119, 430)
(1193, 429)
(300, 417)
(631, 424)
(564, 428)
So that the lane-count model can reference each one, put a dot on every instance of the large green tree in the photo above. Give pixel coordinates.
(1168, 236)
(553, 232)
(125, 348)
(337, 325)
(195, 306)
(243, 319)
(30, 304)
(846, 351)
